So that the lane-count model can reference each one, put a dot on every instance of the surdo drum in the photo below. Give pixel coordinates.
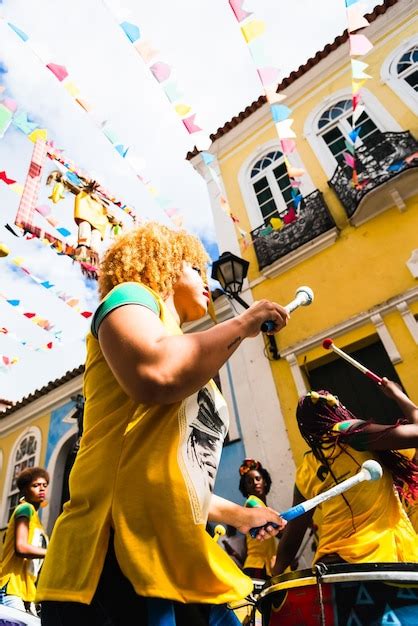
(367, 594)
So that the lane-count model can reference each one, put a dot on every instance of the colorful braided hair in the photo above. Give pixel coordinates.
(247, 466)
(317, 414)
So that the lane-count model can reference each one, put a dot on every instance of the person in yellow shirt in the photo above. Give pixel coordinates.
(367, 523)
(132, 538)
(255, 480)
(25, 542)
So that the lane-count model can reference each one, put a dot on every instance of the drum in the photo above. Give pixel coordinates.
(366, 594)
(246, 610)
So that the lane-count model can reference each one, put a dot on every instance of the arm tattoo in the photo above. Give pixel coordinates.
(236, 340)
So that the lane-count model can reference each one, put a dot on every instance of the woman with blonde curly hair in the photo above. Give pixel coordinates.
(132, 538)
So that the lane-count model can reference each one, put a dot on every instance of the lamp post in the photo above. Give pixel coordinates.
(230, 271)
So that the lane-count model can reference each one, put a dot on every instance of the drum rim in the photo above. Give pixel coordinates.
(343, 572)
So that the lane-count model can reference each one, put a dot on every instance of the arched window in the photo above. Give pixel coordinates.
(407, 67)
(335, 124)
(26, 454)
(400, 72)
(271, 185)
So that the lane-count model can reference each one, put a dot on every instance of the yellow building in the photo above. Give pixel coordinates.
(356, 249)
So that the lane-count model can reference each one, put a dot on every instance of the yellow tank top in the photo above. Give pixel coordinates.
(148, 472)
(19, 573)
(376, 529)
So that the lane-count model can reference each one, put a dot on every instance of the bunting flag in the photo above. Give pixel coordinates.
(26, 344)
(61, 73)
(163, 72)
(6, 362)
(72, 302)
(32, 316)
(358, 45)
(253, 29)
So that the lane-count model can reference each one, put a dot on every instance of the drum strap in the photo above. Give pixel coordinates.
(319, 571)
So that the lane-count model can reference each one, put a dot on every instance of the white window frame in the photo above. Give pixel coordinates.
(374, 109)
(35, 431)
(390, 76)
(245, 181)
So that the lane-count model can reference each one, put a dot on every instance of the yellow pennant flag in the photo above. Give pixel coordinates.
(38, 133)
(357, 85)
(182, 109)
(72, 88)
(253, 29)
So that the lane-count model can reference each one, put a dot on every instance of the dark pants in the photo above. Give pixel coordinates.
(116, 596)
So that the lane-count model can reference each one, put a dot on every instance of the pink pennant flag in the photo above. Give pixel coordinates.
(161, 71)
(288, 146)
(240, 13)
(355, 16)
(359, 44)
(58, 70)
(5, 360)
(171, 211)
(43, 210)
(349, 159)
(190, 125)
(268, 75)
(10, 104)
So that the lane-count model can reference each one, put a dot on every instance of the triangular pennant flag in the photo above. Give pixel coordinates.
(354, 134)
(64, 231)
(182, 109)
(207, 157)
(357, 85)
(161, 71)
(276, 223)
(280, 112)
(268, 75)
(29, 315)
(357, 69)
(253, 29)
(131, 31)
(86, 314)
(121, 149)
(146, 50)
(288, 146)
(171, 91)
(6, 179)
(5, 119)
(39, 133)
(13, 302)
(20, 120)
(49, 345)
(19, 32)
(58, 70)
(359, 44)
(349, 160)
(47, 284)
(349, 146)
(265, 231)
(272, 95)
(355, 17)
(284, 129)
(190, 124)
(240, 13)
(10, 104)
(72, 88)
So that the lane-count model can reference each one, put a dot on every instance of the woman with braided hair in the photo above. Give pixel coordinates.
(368, 523)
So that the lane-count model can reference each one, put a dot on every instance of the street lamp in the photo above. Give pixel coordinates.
(230, 271)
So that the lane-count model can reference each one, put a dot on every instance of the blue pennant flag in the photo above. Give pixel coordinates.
(280, 112)
(19, 32)
(131, 31)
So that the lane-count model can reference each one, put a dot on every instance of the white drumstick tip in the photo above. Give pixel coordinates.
(373, 468)
(307, 294)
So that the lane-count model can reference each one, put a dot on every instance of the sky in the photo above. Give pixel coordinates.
(202, 42)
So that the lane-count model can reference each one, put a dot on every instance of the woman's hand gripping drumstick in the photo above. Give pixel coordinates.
(370, 470)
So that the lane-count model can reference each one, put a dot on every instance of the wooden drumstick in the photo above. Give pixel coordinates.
(370, 470)
(328, 344)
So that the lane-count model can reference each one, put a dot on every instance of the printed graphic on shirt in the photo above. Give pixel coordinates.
(203, 420)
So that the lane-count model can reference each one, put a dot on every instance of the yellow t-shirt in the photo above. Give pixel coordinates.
(376, 529)
(260, 554)
(17, 572)
(148, 472)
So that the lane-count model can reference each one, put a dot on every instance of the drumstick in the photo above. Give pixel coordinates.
(219, 532)
(370, 470)
(329, 344)
(303, 297)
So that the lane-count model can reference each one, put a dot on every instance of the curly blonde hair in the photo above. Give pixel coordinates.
(151, 254)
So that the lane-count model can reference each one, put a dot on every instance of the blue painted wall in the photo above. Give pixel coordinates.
(227, 479)
(57, 428)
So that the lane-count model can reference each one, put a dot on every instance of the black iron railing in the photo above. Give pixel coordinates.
(314, 219)
(377, 160)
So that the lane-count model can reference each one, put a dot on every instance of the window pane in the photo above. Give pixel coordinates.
(264, 196)
(261, 184)
(269, 209)
(333, 113)
(412, 80)
(335, 141)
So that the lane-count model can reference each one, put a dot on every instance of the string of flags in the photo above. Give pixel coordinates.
(69, 300)
(252, 30)
(27, 344)
(135, 162)
(359, 45)
(43, 323)
(6, 363)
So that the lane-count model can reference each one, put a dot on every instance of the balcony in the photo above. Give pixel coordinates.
(389, 158)
(313, 230)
